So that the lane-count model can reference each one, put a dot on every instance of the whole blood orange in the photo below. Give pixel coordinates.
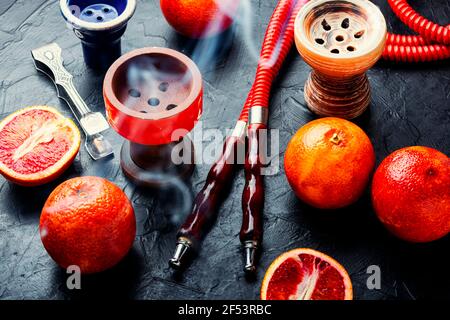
(88, 222)
(36, 145)
(411, 194)
(199, 18)
(306, 274)
(328, 163)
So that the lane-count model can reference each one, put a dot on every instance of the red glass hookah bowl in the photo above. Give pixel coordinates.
(153, 96)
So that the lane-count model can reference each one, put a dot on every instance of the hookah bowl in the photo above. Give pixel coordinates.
(340, 40)
(100, 25)
(153, 98)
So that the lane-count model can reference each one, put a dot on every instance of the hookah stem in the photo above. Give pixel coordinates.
(278, 41)
(221, 174)
(432, 43)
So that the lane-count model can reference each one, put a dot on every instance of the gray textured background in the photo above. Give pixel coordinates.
(410, 106)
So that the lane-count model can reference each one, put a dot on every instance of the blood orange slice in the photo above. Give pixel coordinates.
(36, 145)
(306, 274)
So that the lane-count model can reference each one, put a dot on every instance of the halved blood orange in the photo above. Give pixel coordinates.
(36, 145)
(306, 274)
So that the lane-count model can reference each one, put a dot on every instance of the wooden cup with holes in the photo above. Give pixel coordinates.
(340, 40)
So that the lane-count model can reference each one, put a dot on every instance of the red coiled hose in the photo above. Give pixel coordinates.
(426, 28)
(405, 40)
(416, 53)
(430, 45)
(277, 43)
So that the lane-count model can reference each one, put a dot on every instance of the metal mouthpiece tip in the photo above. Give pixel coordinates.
(175, 263)
(250, 252)
(250, 268)
(182, 248)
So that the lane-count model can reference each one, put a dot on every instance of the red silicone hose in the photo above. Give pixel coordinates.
(405, 40)
(430, 45)
(416, 53)
(278, 41)
(426, 28)
(272, 51)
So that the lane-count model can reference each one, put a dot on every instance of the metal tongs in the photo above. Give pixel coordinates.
(48, 59)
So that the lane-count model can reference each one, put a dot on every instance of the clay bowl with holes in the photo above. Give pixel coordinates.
(99, 24)
(340, 40)
(150, 93)
(153, 98)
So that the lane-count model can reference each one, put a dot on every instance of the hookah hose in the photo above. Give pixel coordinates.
(253, 194)
(432, 43)
(277, 42)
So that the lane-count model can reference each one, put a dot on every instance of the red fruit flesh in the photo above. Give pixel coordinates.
(306, 274)
(308, 271)
(37, 144)
(44, 155)
(411, 194)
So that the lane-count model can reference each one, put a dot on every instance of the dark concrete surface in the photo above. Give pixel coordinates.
(410, 106)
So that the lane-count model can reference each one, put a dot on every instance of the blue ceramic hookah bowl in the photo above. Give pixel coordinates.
(100, 25)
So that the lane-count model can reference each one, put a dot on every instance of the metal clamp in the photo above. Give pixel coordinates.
(258, 114)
